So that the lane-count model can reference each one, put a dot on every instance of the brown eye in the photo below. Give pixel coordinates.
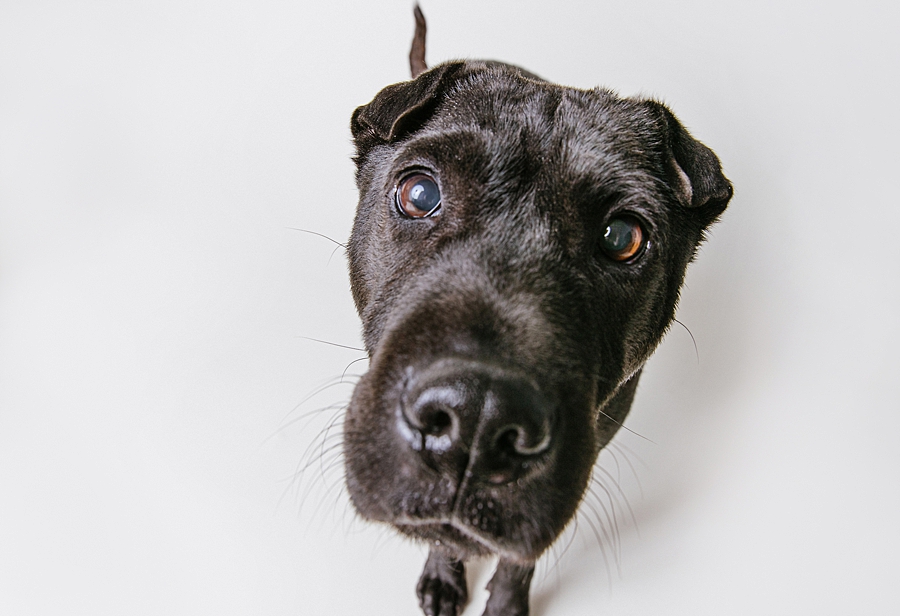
(623, 238)
(418, 195)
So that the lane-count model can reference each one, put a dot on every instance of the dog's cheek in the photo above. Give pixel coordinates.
(365, 254)
(375, 476)
(531, 521)
(643, 309)
(383, 475)
(368, 453)
(647, 320)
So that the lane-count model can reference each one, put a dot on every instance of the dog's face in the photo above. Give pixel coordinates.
(516, 257)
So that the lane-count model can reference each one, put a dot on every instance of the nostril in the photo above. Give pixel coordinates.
(505, 440)
(511, 454)
(516, 440)
(430, 422)
(436, 421)
(522, 417)
(436, 425)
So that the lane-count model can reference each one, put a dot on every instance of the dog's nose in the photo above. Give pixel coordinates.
(495, 421)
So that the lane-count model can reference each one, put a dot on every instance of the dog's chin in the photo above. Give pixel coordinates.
(478, 522)
(461, 538)
(449, 533)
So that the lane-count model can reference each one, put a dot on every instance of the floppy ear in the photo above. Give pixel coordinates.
(694, 170)
(402, 108)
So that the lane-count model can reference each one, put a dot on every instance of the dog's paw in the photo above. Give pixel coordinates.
(442, 588)
(441, 597)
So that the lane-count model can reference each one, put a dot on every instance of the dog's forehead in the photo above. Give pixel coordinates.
(504, 102)
(498, 123)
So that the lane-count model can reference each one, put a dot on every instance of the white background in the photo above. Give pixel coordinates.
(154, 158)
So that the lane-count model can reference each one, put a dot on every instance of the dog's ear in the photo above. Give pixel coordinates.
(693, 169)
(402, 108)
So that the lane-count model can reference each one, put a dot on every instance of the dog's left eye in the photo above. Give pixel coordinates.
(418, 195)
(623, 238)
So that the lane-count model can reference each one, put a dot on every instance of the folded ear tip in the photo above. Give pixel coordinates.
(402, 108)
(717, 196)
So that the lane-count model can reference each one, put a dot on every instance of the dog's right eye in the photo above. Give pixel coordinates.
(418, 196)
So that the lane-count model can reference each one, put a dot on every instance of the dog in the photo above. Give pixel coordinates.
(516, 257)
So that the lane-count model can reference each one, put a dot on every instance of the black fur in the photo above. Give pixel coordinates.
(501, 313)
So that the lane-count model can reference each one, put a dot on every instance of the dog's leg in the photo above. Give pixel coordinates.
(442, 588)
(509, 590)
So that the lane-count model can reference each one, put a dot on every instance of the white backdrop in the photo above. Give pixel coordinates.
(154, 299)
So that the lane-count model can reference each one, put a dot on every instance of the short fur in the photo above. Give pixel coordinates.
(505, 300)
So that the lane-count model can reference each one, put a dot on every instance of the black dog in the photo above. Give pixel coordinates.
(516, 257)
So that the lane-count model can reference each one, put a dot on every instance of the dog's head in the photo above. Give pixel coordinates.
(517, 255)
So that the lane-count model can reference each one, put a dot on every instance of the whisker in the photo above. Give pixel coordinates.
(349, 516)
(611, 520)
(615, 460)
(343, 346)
(554, 570)
(320, 438)
(691, 334)
(625, 451)
(328, 428)
(571, 538)
(328, 385)
(325, 496)
(320, 445)
(628, 450)
(310, 457)
(300, 418)
(602, 551)
(340, 245)
(331, 256)
(620, 491)
(624, 427)
(330, 449)
(334, 462)
(350, 364)
(341, 492)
